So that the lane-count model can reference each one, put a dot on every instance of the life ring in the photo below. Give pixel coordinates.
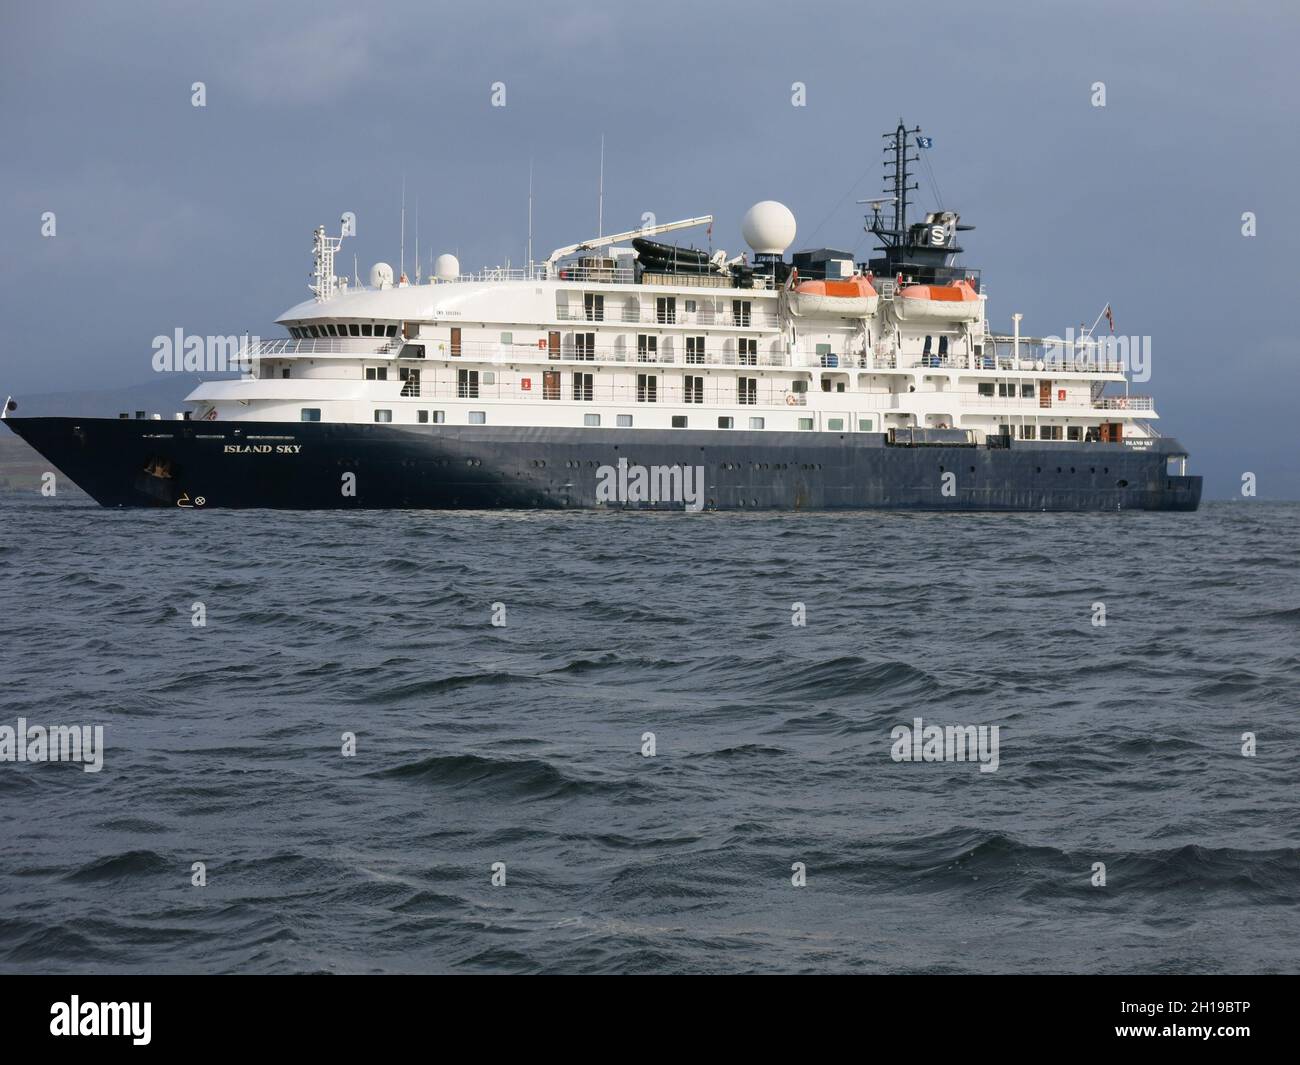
(791, 401)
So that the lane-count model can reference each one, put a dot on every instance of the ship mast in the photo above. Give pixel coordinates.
(897, 184)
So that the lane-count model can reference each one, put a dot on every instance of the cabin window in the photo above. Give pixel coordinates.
(383, 415)
(1027, 391)
(747, 391)
(478, 417)
(757, 423)
(725, 422)
(624, 421)
(489, 377)
(391, 331)
(805, 423)
(591, 420)
(1050, 432)
(1027, 432)
(666, 310)
(943, 346)
(439, 416)
(747, 351)
(467, 384)
(284, 373)
(866, 425)
(799, 386)
(507, 338)
(694, 349)
(741, 313)
(986, 388)
(422, 417)
(694, 392)
(835, 425)
(583, 389)
(376, 373)
(689, 306)
(593, 304)
(647, 388)
(310, 414)
(584, 346)
(647, 348)
(1072, 432)
(679, 421)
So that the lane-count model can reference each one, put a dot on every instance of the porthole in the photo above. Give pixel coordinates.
(1121, 484)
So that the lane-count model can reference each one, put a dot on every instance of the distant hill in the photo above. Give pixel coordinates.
(164, 394)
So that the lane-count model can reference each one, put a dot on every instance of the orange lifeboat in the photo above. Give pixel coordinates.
(955, 302)
(853, 298)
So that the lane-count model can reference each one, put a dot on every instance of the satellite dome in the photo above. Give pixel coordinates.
(768, 227)
(381, 276)
(446, 267)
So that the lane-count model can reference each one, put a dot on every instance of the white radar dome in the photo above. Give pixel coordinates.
(381, 276)
(768, 227)
(446, 267)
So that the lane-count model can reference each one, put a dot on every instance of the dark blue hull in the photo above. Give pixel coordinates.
(306, 465)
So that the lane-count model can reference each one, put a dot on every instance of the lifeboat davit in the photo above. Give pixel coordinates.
(854, 298)
(956, 302)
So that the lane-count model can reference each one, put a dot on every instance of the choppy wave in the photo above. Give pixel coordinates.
(648, 750)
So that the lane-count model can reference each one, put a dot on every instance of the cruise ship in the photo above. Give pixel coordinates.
(631, 372)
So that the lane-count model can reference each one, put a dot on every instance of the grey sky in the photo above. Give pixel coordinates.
(170, 216)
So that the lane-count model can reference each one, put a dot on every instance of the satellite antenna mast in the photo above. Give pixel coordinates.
(417, 240)
(402, 253)
(897, 185)
(600, 199)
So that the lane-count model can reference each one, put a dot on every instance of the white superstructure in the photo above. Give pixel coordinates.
(605, 336)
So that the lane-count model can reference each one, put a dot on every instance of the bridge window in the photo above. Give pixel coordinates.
(310, 414)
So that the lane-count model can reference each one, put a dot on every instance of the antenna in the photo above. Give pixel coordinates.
(417, 240)
(530, 215)
(600, 200)
(402, 253)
